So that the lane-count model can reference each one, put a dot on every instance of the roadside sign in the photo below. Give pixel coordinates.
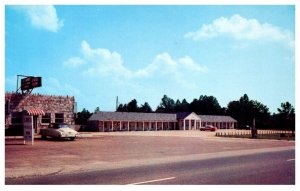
(30, 83)
(28, 129)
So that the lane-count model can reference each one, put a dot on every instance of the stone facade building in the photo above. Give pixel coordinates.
(45, 109)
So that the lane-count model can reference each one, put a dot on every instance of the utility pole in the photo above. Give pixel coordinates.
(117, 103)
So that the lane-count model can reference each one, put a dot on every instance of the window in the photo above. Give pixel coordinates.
(46, 118)
(7, 107)
(59, 117)
(16, 117)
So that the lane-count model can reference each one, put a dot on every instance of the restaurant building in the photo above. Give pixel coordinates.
(45, 109)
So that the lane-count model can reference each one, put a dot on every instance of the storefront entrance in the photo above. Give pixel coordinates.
(35, 113)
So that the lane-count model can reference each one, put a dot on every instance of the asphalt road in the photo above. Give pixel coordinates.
(276, 167)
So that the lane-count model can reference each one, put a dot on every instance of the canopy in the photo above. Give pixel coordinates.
(35, 112)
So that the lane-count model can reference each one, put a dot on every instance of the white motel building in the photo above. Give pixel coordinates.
(132, 121)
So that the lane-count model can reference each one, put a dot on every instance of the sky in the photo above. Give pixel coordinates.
(97, 53)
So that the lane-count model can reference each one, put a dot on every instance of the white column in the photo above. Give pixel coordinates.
(156, 125)
(183, 124)
(128, 125)
(190, 124)
(143, 125)
(112, 125)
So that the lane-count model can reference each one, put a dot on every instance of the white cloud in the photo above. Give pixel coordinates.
(165, 64)
(42, 17)
(189, 63)
(74, 62)
(105, 63)
(241, 28)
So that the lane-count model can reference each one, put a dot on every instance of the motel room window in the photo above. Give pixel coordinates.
(46, 118)
(59, 117)
(16, 117)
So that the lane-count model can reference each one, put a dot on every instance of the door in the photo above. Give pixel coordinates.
(35, 125)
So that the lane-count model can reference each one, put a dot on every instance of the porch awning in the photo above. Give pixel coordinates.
(35, 112)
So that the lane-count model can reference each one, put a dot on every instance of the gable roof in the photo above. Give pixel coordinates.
(132, 116)
(182, 115)
(216, 118)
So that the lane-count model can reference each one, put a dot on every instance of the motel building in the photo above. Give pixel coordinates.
(132, 121)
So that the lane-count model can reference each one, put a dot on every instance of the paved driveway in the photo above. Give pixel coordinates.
(104, 150)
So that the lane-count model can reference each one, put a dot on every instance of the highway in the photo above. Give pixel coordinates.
(263, 168)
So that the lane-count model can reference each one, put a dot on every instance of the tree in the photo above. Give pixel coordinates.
(97, 109)
(82, 117)
(145, 108)
(206, 105)
(245, 110)
(122, 108)
(132, 106)
(166, 105)
(286, 109)
(285, 119)
(181, 106)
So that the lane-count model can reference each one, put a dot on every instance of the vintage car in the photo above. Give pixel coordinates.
(208, 128)
(59, 131)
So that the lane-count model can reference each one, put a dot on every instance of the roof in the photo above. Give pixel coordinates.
(132, 116)
(184, 115)
(216, 118)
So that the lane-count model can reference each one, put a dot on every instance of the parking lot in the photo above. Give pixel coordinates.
(104, 150)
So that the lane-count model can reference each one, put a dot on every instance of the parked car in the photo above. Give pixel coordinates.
(59, 130)
(208, 128)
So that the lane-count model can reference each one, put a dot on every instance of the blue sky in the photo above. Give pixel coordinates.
(96, 53)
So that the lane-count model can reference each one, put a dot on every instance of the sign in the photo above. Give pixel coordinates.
(30, 83)
(28, 128)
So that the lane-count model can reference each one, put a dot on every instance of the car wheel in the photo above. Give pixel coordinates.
(44, 137)
(72, 138)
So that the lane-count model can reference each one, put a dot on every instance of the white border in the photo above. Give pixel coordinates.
(144, 2)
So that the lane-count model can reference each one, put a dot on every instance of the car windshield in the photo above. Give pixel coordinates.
(58, 126)
(63, 126)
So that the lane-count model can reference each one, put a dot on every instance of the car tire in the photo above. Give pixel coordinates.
(44, 137)
(72, 138)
